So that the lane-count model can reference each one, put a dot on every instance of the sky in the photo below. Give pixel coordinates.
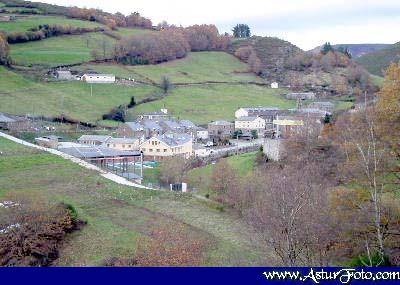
(305, 23)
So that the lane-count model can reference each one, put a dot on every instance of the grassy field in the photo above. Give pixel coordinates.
(20, 95)
(200, 178)
(61, 50)
(206, 103)
(197, 67)
(26, 22)
(126, 32)
(117, 215)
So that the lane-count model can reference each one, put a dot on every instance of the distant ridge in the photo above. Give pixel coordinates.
(356, 50)
(376, 62)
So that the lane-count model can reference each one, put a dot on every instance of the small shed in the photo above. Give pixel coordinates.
(275, 85)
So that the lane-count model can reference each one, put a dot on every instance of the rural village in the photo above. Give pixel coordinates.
(130, 143)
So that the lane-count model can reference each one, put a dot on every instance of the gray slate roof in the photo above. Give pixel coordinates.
(221, 123)
(134, 126)
(187, 124)
(98, 152)
(98, 138)
(152, 125)
(174, 139)
(121, 140)
(248, 118)
(170, 124)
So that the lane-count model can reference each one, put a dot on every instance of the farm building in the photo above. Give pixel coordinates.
(64, 75)
(156, 116)
(4, 18)
(98, 78)
(202, 133)
(115, 160)
(48, 141)
(301, 96)
(274, 85)
(10, 122)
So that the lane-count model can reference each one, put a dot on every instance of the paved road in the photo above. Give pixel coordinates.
(108, 175)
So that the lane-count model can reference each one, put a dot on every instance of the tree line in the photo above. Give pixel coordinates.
(4, 50)
(47, 31)
(169, 44)
(333, 198)
(95, 15)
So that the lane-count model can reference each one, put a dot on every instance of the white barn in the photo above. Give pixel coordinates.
(98, 78)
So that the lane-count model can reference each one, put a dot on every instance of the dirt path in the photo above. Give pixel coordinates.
(108, 175)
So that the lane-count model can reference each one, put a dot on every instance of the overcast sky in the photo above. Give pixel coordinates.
(306, 23)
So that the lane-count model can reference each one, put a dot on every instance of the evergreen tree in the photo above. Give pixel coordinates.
(327, 47)
(241, 31)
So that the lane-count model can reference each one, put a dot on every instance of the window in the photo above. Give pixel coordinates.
(123, 146)
(165, 150)
(108, 145)
(150, 149)
(158, 150)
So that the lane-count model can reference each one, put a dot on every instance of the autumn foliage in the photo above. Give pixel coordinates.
(169, 44)
(172, 244)
(4, 50)
(33, 231)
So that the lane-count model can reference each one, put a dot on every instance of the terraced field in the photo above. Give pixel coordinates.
(25, 22)
(62, 50)
(197, 67)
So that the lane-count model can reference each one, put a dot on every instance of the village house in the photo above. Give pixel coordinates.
(248, 124)
(5, 18)
(286, 126)
(122, 143)
(324, 105)
(220, 129)
(301, 96)
(274, 85)
(98, 78)
(161, 146)
(202, 133)
(93, 140)
(11, 122)
(170, 126)
(131, 130)
(152, 128)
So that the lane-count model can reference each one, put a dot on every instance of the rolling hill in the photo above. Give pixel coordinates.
(376, 62)
(356, 50)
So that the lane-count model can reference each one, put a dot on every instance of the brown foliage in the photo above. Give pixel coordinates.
(172, 244)
(34, 232)
(4, 50)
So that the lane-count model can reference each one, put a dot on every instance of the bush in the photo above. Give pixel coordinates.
(363, 261)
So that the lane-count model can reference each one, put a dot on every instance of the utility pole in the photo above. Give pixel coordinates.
(91, 90)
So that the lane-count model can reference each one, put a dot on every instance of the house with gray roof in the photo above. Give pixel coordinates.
(131, 130)
(170, 126)
(159, 147)
(322, 105)
(11, 122)
(95, 140)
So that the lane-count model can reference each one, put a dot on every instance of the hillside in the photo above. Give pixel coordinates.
(273, 53)
(356, 50)
(331, 74)
(118, 217)
(376, 62)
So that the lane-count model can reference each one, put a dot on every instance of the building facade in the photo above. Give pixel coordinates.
(248, 124)
(98, 78)
(162, 146)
